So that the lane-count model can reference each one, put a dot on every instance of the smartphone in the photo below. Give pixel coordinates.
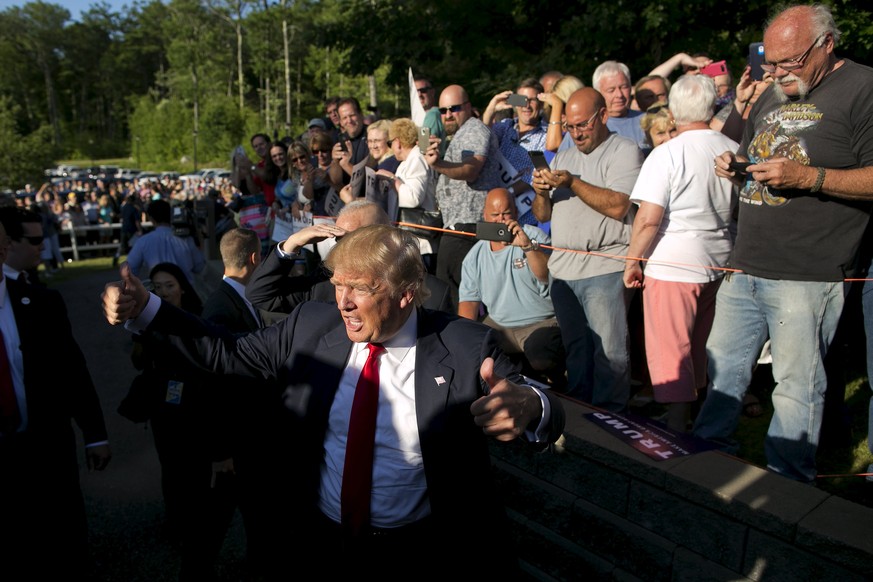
(517, 100)
(714, 69)
(423, 139)
(539, 160)
(740, 167)
(756, 59)
(493, 231)
(342, 139)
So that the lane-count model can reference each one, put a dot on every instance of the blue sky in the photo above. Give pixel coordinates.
(75, 7)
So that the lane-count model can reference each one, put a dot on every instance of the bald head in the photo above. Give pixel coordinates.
(801, 30)
(499, 206)
(361, 213)
(455, 108)
(586, 119)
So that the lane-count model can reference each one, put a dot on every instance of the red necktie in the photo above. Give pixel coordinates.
(10, 416)
(358, 469)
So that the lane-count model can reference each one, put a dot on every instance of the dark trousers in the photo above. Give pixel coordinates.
(453, 249)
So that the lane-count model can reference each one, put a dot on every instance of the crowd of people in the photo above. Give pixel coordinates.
(688, 224)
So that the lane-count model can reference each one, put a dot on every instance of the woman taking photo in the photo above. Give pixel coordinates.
(415, 183)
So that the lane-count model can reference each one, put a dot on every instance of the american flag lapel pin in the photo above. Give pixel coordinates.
(440, 380)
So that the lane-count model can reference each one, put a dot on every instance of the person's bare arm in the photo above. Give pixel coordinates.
(469, 309)
(646, 223)
(782, 174)
(537, 260)
(605, 201)
(466, 170)
(542, 204)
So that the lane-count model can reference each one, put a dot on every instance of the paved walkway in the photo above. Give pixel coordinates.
(125, 508)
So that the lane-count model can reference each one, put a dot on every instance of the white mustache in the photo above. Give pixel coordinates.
(790, 78)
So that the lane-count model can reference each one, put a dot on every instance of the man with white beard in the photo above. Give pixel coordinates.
(804, 206)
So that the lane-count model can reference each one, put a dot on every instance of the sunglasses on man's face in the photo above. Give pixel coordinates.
(452, 108)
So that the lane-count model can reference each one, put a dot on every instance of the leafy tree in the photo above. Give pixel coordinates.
(22, 157)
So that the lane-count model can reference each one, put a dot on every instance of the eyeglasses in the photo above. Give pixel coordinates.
(424, 89)
(791, 64)
(34, 240)
(580, 127)
(298, 159)
(317, 152)
(453, 108)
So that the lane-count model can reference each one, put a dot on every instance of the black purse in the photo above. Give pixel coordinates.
(432, 218)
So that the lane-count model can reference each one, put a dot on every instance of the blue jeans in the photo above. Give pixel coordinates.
(800, 318)
(592, 315)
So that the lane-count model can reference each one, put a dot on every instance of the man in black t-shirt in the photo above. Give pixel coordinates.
(804, 205)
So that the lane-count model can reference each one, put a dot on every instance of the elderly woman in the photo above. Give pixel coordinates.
(415, 182)
(681, 232)
(658, 124)
(380, 149)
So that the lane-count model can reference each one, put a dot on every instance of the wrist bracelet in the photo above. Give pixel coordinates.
(556, 122)
(533, 246)
(819, 181)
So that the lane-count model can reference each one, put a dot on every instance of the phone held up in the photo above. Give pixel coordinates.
(756, 59)
(343, 138)
(714, 69)
(517, 100)
(423, 139)
(539, 160)
(496, 231)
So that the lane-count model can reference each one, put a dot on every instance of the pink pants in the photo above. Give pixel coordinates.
(677, 319)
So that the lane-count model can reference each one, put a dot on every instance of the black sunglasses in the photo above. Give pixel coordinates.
(453, 108)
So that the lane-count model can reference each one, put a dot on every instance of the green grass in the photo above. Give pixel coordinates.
(835, 458)
(74, 269)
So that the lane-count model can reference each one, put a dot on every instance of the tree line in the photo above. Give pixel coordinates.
(181, 82)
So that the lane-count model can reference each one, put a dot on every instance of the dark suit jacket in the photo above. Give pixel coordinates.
(307, 353)
(273, 289)
(56, 377)
(225, 307)
(40, 465)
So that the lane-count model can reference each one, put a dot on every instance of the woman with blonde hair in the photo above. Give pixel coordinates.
(556, 99)
(415, 183)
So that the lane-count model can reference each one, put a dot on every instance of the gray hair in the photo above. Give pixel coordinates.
(608, 69)
(692, 99)
(822, 21)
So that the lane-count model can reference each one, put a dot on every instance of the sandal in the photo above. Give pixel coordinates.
(752, 406)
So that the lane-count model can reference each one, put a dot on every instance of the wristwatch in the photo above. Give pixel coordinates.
(533, 246)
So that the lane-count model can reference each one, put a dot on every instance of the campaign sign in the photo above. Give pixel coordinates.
(648, 436)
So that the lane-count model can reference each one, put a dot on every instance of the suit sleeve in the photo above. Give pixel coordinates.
(272, 288)
(212, 348)
(505, 368)
(84, 403)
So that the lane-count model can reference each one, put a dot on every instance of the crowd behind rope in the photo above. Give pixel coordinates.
(634, 171)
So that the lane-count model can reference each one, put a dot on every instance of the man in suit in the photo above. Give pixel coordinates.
(245, 429)
(26, 243)
(274, 289)
(442, 386)
(45, 532)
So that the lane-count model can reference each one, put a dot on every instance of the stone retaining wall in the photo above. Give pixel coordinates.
(592, 508)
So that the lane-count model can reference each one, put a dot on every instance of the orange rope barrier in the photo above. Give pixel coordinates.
(592, 253)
